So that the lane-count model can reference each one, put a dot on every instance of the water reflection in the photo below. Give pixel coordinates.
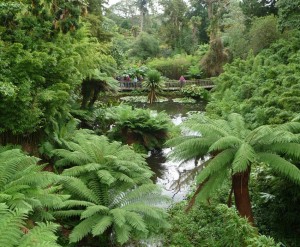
(168, 173)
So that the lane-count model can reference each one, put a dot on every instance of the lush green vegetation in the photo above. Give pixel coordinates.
(73, 168)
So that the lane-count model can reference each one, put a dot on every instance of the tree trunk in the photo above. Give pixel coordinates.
(241, 194)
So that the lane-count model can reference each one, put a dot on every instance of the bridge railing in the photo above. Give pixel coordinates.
(168, 84)
(202, 82)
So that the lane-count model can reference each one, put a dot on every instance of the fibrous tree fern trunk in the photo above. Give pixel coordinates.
(240, 186)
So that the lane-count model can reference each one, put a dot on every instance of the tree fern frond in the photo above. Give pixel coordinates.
(67, 213)
(138, 193)
(215, 181)
(119, 216)
(237, 125)
(83, 228)
(11, 223)
(123, 177)
(106, 177)
(293, 127)
(122, 233)
(73, 157)
(136, 221)
(290, 149)
(216, 164)
(76, 203)
(75, 171)
(190, 148)
(224, 143)
(281, 166)
(102, 225)
(147, 210)
(43, 233)
(77, 187)
(91, 210)
(243, 158)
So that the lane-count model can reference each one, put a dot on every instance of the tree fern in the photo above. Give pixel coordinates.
(113, 183)
(234, 148)
(24, 186)
(14, 232)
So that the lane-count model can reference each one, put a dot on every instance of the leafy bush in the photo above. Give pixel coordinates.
(195, 92)
(263, 33)
(280, 199)
(207, 226)
(173, 67)
(146, 46)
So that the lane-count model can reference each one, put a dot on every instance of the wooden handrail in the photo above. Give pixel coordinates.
(168, 84)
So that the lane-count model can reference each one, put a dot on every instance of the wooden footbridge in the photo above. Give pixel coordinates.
(171, 85)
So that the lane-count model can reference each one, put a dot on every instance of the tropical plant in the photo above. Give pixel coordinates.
(113, 183)
(24, 186)
(15, 232)
(232, 150)
(93, 85)
(153, 84)
(135, 125)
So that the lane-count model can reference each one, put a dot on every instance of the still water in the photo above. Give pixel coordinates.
(167, 172)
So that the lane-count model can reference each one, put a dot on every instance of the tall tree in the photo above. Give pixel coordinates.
(232, 149)
(289, 17)
(216, 57)
(255, 8)
(174, 22)
(143, 8)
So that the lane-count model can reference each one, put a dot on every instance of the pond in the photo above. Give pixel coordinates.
(167, 172)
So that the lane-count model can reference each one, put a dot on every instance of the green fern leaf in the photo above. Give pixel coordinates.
(281, 166)
(83, 228)
(91, 210)
(102, 225)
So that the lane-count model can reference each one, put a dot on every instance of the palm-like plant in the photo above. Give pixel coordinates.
(14, 232)
(153, 84)
(143, 126)
(24, 186)
(123, 215)
(104, 176)
(232, 149)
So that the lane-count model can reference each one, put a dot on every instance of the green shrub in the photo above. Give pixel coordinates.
(208, 226)
(195, 92)
(173, 67)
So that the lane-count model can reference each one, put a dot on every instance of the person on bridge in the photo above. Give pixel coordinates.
(181, 81)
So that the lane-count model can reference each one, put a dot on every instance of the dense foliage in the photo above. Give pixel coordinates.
(206, 226)
(195, 92)
(59, 58)
(264, 88)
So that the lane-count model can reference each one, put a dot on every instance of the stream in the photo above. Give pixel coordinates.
(167, 172)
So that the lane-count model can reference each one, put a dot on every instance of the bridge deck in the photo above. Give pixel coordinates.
(168, 86)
